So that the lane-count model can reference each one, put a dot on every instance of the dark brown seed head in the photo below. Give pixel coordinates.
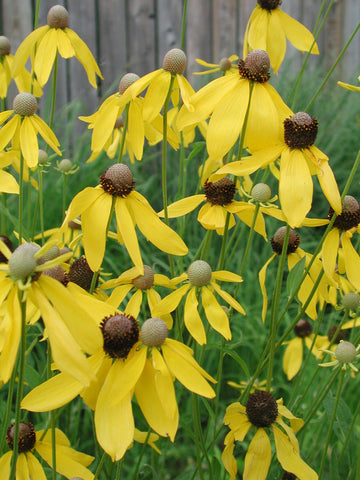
(127, 80)
(261, 409)
(81, 274)
(300, 130)
(25, 104)
(303, 328)
(256, 66)
(145, 281)
(269, 4)
(27, 437)
(58, 17)
(5, 46)
(221, 192)
(153, 332)
(340, 336)
(117, 180)
(10, 246)
(175, 61)
(350, 215)
(120, 333)
(277, 241)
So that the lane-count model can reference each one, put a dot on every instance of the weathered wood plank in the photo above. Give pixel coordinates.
(168, 23)
(112, 24)
(141, 36)
(224, 28)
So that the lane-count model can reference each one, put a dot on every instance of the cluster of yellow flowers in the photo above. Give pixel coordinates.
(104, 349)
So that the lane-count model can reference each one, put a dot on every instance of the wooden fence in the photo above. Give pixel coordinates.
(134, 35)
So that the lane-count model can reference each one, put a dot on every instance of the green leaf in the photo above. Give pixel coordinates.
(295, 276)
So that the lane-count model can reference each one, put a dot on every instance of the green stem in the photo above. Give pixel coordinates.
(6, 419)
(99, 467)
(41, 201)
(199, 439)
(52, 416)
(20, 386)
(183, 26)
(332, 421)
(251, 234)
(275, 307)
(124, 132)
(348, 435)
(63, 207)
(221, 261)
(119, 468)
(53, 94)
(140, 457)
(21, 197)
(242, 137)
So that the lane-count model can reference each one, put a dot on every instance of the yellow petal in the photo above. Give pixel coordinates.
(258, 457)
(329, 254)
(5, 465)
(63, 43)
(26, 47)
(292, 359)
(45, 56)
(35, 468)
(186, 373)
(136, 129)
(276, 40)
(227, 456)
(329, 186)
(352, 261)
(262, 279)
(118, 295)
(162, 236)
(297, 34)
(47, 134)
(156, 95)
(215, 313)
(295, 186)
(228, 298)
(169, 303)
(157, 416)
(164, 384)
(183, 206)
(84, 56)
(289, 459)
(192, 318)
(256, 35)
(110, 420)
(28, 142)
(126, 227)
(252, 163)
(7, 132)
(8, 184)
(225, 276)
(94, 221)
(11, 342)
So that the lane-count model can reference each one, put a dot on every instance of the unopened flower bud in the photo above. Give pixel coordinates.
(175, 61)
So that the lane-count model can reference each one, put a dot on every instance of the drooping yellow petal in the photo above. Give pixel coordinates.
(134, 304)
(289, 459)
(11, 344)
(228, 298)
(84, 56)
(227, 120)
(329, 186)
(293, 356)
(164, 384)
(47, 134)
(185, 372)
(8, 184)
(118, 295)
(215, 313)
(297, 34)
(35, 468)
(136, 129)
(183, 206)
(258, 25)
(45, 56)
(153, 299)
(123, 375)
(85, 331)
(295, 422)
(329, 254)
(227, 456)
(162, 236)
(65, 351)
(110, 420)
(63, 44)
(52, 394)
(26, 47)
(186, 91)
(5, 465)
(169, 303)
(126, 227)
(7, 132)
(225, 276)
(295, 186)
(258, 457)
(29, 143)
(156, 95)
(276, 40)
(157, 416)
(94, 221)
(351, 259)
(262, 279)
(192, 318)
(105, 121)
